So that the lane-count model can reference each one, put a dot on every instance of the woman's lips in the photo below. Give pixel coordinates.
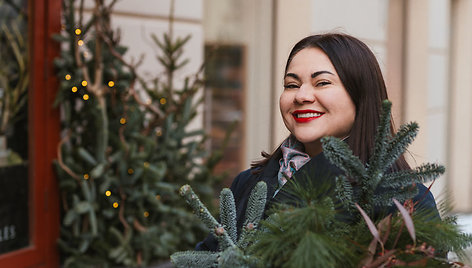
(303, 116)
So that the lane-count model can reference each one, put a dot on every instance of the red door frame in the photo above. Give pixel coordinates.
(44, 129)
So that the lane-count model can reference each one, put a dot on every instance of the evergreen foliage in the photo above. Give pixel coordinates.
(232, 249)
(126, 147)
(343, 230)
(375, 174)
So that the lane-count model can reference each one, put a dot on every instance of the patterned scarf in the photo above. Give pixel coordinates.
(293, 158)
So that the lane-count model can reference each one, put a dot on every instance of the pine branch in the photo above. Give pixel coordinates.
(254, 211)
(378, 159)
(228, 213)
(339, 153)
(230, 255)
(195, 259)
(224, 240)
(345, 193)
(256, 204)
(402, 139)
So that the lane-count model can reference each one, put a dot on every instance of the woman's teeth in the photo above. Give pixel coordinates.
(307, 115)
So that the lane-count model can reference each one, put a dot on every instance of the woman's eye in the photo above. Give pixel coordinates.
(291, 86)
(323, 83)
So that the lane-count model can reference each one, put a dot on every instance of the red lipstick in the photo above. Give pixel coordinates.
(303, 116)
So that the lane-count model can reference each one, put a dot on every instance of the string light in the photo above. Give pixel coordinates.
(163, 101)
(78, 31)
(74, 89)
(86, 97)
(130, 171)
(80, 43)
(84, 83)
(86, 176)
(115, 205)
(111, 84)
(122, 120)
(158, 197)
(146, 214)
(67, 77)
(158, 133)
(108, 193)
(146, 164)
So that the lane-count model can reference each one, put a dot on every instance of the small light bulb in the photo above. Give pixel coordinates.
(111, 84)
(80, 43)
(74, 89)
(84, 83)
(86, 176)
(163, 101)
(86, 97)
(122, 120)
(78, 31)
(158, 197)
(67, 77)
(130, 171)
(146, 164)
(115, 205)
(146, 214)
(108, 193)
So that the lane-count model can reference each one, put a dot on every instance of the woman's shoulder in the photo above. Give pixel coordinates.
(425, 199)
(241, 179)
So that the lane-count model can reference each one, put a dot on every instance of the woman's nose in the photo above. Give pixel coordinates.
(305, 94)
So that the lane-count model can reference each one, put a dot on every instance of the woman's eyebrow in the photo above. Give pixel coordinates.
(315, 74)
(292, 75)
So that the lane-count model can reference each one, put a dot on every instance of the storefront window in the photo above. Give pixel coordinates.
(14, 77)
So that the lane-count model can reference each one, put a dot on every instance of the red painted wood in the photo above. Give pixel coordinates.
(44, 130)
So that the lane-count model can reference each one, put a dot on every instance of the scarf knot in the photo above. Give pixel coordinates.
(293, 158)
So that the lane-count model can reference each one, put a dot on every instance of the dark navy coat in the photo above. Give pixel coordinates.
(318, 168)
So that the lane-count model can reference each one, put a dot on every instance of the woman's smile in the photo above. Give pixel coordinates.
(303, 116)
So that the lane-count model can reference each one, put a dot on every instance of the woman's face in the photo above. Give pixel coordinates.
(315, 103)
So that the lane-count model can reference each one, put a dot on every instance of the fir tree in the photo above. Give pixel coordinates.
(126, 147)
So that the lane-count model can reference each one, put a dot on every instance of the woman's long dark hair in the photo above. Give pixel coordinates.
(360, 74)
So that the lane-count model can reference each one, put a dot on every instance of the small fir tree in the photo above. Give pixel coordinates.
(125, 151)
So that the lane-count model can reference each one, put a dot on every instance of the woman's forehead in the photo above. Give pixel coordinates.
(311, 60)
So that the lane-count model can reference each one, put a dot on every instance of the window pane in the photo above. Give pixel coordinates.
(224, 103)
(14, 194)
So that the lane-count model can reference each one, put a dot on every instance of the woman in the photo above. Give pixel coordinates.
(333, 86)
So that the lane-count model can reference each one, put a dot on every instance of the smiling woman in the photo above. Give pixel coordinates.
(333, 86)
(315, 103)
